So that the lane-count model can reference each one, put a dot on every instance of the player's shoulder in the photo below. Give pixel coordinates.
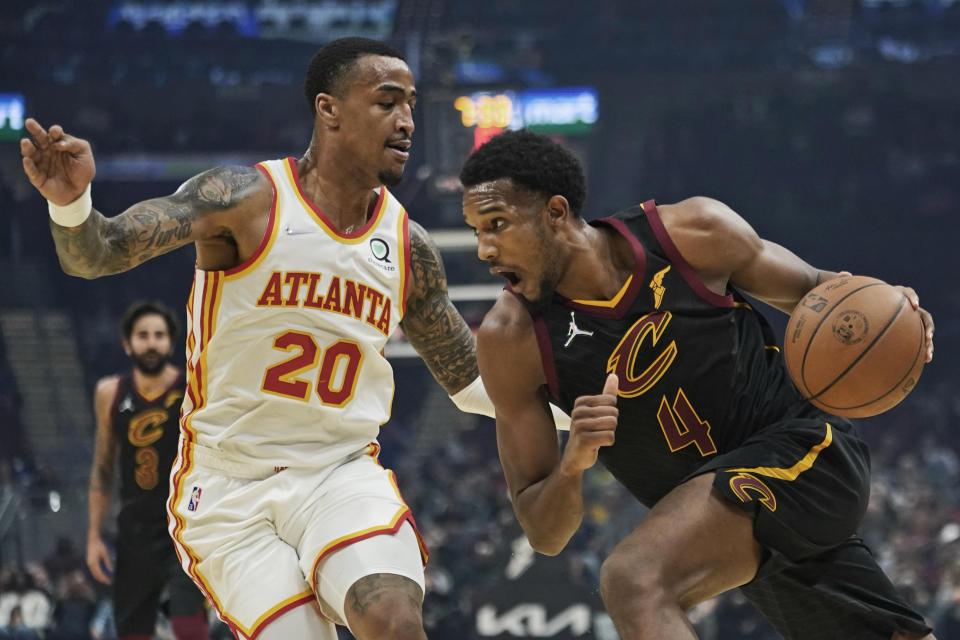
(700, 212)
(106, 388)
(508, 321)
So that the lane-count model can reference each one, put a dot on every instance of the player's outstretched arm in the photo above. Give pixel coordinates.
(432, 324)
(61, 167)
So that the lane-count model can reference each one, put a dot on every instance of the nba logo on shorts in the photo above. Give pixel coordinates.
(194, 499)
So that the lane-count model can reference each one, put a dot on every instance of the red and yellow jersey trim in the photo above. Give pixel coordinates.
(402, 515)
(791, 473)
(202, 309)
(355, 237)
(260, 624)
(269, 236)
(403, 235)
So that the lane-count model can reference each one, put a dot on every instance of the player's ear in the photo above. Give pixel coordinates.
(328, 110)
(558, 210)
(126, 347)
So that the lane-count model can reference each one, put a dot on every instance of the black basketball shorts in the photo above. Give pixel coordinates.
(806, 483)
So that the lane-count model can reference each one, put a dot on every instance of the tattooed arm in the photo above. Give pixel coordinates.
(432, 324)
(205, 207)
(216, 208)
(101, 479)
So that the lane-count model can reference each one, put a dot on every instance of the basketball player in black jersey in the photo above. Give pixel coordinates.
(138, 422)
(635, 325)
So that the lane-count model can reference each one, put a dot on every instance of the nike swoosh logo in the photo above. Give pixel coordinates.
(297, 232)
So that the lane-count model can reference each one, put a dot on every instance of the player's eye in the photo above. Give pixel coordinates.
(497, 224)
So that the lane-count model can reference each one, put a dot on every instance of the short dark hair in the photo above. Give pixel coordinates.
(144, 308)
(331, 63)
(533, 162)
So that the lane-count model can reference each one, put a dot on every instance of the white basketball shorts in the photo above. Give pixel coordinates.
(252, 537)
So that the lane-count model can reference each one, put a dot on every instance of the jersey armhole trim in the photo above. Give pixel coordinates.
(686, 271)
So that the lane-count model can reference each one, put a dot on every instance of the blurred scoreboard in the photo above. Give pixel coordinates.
(11, 116)
(459, 123)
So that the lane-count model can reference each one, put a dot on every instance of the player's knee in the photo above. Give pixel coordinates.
(627, 581)
(390, 620)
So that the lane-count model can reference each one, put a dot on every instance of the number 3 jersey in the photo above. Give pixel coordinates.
(698, 372)
(285, 351)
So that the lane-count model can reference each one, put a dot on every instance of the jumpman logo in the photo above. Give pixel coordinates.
(573, 331)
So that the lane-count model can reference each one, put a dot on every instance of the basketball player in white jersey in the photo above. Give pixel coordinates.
(278, 507)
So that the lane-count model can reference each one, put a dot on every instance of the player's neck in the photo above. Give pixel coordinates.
(599, 265)
(150, 386)
(343, 199)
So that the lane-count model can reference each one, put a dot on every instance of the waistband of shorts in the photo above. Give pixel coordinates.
(214, 460)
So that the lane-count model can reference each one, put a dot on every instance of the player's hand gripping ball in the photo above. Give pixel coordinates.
(854, 346)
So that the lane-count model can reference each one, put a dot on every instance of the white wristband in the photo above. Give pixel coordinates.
(73, 214)
(474, 399)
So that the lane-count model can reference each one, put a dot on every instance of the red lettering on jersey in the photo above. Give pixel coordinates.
(313, 300)
(295, 279)
(272, 295)
(623, 360)
(332, 303)
(376, 299)
(383, 324)
(353, 297)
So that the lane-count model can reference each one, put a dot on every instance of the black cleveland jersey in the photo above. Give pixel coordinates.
(698, 372)
(148, 431)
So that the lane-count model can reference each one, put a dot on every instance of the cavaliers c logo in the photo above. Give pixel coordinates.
(623, 360)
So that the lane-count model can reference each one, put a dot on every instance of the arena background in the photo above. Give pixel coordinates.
(833, 126)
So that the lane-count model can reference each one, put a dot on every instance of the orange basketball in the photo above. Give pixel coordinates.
(854, 346)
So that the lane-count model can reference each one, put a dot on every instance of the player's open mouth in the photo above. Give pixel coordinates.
(510, 276)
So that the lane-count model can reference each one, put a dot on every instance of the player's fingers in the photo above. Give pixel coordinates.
(40, 136)
(34, 127)
(911, 296)
(594, 424)
(928, 329)
(611, 385)
(593, 440)
(96, 572)
(27, 147)
(33, 173)
(55, 132)
(584, 412)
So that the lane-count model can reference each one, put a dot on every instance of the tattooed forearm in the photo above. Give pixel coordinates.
(102, 246)
(432, 324)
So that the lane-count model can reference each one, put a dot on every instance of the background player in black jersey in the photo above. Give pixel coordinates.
(635, 324)
(137, 416)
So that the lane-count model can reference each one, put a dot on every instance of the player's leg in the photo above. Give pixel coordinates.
(376, 586)
(690, 547)
(359, 547)
(224, 530)
(136, 588)
(188, 617)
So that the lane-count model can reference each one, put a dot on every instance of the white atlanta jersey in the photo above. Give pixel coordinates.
(285, 351)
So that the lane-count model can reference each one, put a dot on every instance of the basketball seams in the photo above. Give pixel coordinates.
(910, 370)
(863, 352)
(813, 335)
